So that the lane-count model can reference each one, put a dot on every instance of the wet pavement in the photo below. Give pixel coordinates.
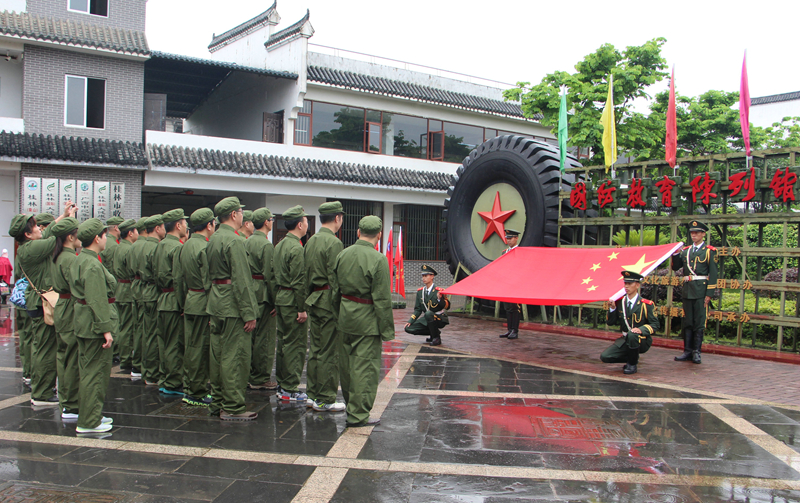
(458, 424)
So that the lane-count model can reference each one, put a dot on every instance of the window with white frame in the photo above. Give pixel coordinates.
(85, 102)
(94, 7)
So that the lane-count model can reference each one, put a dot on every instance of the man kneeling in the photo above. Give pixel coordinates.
(638, 322)
(430, 309)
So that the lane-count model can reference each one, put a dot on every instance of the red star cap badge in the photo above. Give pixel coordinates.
(495, 220)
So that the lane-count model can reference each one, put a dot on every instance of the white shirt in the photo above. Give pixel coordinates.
(631, 301)
(697, 247)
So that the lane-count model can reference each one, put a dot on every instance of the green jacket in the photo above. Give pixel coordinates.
(259, 255)
(704, 263)
(146, 265)
(109, 254)
(92, 283)
(64, 313)
(191, 276)
(430, 302)
(320, 257)
(227, 260)
(124, 271)
(164, 257)
(643, 316)
(362, 272)
(134, 258)
(290, 273)
(35, 259)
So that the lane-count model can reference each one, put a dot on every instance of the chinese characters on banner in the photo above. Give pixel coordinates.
(706, 188)
(94, 199)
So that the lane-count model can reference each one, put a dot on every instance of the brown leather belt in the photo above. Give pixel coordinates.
(137, 277)
(285, 288)
(258, 276)
(198, 290)
(167, 290)
(64, 295)
(83, 301)
(320, 288)
(357, 299)
(221, 281)
(123, 281)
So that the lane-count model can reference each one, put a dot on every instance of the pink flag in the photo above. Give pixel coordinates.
(671, 144)
(390, 258)
(744, 107)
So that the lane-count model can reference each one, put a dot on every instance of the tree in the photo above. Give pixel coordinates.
(634, 70)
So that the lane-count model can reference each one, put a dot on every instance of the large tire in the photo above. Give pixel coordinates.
(532, 168)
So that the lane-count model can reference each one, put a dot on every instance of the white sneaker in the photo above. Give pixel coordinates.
(106, 420)
(309, 402)
(328, 407)
(136, 376)
(102, 427)
(69, 416)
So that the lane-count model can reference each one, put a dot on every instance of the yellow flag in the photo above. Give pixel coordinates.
(609, 131)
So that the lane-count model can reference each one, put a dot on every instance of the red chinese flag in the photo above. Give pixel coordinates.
(671, 143)
(398, 260)
(744, 106)
(561, 276)
(390, 259)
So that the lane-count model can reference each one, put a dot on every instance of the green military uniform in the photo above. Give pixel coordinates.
(23, 331)
(193, 284)
(362, 298)
(134, 259)
(44, 219)
(67, 350)
(430, 312)
(259, 254)
(290, 281)
(95, 314)
(34, 259)
(170, 305)
(640, 314)
(322, 374)
(151, 342)
(124, 274)
(699, 264)
(231, 304)
(112, 246)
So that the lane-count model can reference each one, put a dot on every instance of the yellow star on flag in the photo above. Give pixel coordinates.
(613, 255)
(586, 281)
(592, 288)
(639, 266)
(595, 266)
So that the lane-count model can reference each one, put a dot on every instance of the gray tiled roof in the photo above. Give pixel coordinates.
(775, 98)
(294, 168)
(81, 150)
(27, 26)
(218, 41)
(155, 55)
(380, 85)
(288, 32)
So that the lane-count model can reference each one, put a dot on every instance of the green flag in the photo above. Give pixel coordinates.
(562, 131)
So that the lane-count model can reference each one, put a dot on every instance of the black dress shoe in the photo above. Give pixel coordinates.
(686, 356)
(629, 369)
(696, 357)
(115, 360)
(436, 342)
(369, 422)
(513, 335)
(428, 339)
(505, 334)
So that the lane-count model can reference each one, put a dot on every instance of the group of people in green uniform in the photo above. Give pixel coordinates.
(202, 306)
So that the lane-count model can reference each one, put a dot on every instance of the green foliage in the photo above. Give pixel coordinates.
(730, 302)
(783, 134)
(649, 238)
(772, 238)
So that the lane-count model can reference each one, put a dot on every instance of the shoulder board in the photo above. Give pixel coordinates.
(687, 247)
(711, 248)
(420, 288)
(647, 301)
(439, 289)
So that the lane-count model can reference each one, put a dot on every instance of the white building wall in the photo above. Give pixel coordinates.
(14, 5)
(9, 204)
(767, 114)
(247, 51)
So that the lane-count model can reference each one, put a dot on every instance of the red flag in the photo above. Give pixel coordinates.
(390, 259)
(744, 106)
(539, 276)
(398, 260)
(671, 144)
(378, 246)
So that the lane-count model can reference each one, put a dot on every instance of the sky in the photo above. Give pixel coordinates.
(522, 40)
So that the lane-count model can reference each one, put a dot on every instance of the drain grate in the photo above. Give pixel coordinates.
(21, 493)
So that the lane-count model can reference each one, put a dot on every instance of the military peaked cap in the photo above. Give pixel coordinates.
(140, 224)
(64, 226)
(260, 216)
(90, 229)
(426, 269)
(114, 221)
(127, 225)
(153, 221)
(44, 219)
(370, 224)
(697, 226)
(512, 232)
(294, 212)
(18, 224)
(173, 216)
(202, 217)
(331, 208)
(247, 216)
(227, 206)
(630, 276)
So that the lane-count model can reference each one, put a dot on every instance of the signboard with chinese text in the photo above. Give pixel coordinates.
(101, 200)
(117, 198)
(67, 192)
(50, 196)
(32, 195)
(84, 200)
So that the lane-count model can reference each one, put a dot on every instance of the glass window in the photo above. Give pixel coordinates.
(434, 125)
(301, 130)
(374, 137)
(76, 101)
(85, 102)
(488, 134)
(95, 7)
(460, 140)
(405, 136)
(373, 116)
(337, 126)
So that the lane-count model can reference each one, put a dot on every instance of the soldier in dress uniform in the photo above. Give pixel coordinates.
(698, 263)
(361, 295)
(259, 254)
(151, 342)
(66, 233)
(637, 319)
(34, 261)
(233, 310)
(170, 304)
(126, 309)
(247, 228)
(513, 311)
(134, 259)
(95, 323)
(430, 309)
(193, 285)
(322, 374)
(290, 304)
